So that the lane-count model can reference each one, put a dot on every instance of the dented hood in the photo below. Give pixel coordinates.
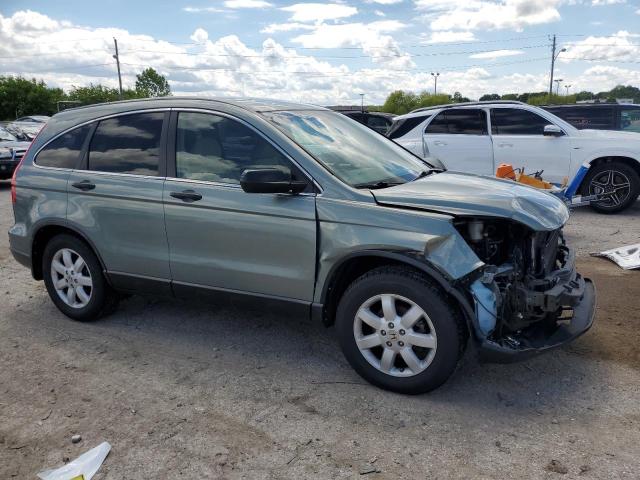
(462, 194)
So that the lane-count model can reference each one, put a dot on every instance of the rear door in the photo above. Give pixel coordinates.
(459, 138)
(222, 238)
(115, 198)
(519, 141)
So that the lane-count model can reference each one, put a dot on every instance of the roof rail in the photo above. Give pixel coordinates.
(464, 104)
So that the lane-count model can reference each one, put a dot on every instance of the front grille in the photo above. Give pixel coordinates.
(544, 251)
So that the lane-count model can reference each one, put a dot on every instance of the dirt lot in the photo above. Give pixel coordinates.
(191, 391)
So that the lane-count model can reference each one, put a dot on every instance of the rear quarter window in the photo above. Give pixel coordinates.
(64, 151)
(401, 127)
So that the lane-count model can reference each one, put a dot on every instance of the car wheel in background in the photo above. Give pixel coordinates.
(74, 279)
(398, 331)
(616, 183)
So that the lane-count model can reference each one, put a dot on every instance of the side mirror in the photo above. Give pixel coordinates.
(552, 131)
(270, 180)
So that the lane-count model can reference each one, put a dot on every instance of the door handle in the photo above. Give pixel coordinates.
(187, 196)
(84, 185)
(439, 143)
(505, 144)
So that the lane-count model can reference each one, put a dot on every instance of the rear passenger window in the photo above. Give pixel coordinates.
(127, 144)
(217, 149)
(465, 121)
(64, 151)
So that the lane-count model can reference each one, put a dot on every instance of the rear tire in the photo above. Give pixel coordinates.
(617, 182)
(74, 279)
(398, 330)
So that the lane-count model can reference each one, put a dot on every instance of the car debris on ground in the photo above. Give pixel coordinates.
(82, 468)
(627, 257)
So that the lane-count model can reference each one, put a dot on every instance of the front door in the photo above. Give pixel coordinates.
(459, 138)
(519, 141)
(223, 238)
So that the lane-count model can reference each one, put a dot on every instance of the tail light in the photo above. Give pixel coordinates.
(15, 172)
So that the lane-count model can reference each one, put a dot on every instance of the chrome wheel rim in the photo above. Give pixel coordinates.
(395, 335)
(71, 278)
(612, 186)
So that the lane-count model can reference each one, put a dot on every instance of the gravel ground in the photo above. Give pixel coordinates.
(193, 391)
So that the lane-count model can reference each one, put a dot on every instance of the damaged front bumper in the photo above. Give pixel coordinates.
(569, 294)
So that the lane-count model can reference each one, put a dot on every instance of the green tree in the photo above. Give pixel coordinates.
(400, 102)
(488, 97)
(458, 98)
(99, 94)
(20, 96)
(150, 83)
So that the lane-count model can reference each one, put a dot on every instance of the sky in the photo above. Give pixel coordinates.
(325, 53)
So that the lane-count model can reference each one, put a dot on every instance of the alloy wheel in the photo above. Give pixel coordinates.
(612, 186)
(395, 335)
(71, 278)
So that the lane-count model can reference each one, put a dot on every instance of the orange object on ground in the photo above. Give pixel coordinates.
(506, 171)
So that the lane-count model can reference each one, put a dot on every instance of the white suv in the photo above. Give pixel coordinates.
(477, 137)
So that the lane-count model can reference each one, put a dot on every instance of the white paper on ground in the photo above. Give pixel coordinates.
(628, 257)
(86, 465)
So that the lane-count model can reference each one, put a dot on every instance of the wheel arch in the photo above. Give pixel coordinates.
(352, 266)
(629, 161)
(44, 233)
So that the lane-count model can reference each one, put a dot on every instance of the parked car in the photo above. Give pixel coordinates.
(476, 137)
(26, 128)
(599, 116)
(378, 121)
(11, 152)
(296, 206)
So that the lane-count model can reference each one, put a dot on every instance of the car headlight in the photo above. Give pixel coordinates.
(6, 153)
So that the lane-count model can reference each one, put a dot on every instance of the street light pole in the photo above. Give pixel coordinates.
(117, 57)
(567, 87)
(435, 82)
(554, 57)
(558, 81)
(362, 102)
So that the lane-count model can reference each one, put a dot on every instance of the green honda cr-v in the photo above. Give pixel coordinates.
(297, 206)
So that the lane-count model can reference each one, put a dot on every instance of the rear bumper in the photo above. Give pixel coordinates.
(543, 340)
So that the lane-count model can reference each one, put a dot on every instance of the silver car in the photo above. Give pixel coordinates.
(299, 208)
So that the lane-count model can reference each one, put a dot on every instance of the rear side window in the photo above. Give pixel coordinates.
(378, 122)
(127, 144)
(217, 149)
(514, 121)
(467, 121)
(64, 151)
(599, 117)
(630, 119)
(403, 126)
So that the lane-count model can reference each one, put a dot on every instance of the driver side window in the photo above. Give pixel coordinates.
(218, 149)
(516, 121)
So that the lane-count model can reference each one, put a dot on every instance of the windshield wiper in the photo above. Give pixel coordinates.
(426, 173)
(376, 185)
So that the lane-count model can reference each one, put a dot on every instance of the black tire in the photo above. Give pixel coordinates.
(450, 330)
(620, 173)
(103, 300)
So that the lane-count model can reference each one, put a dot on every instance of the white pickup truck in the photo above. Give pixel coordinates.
(476, 137)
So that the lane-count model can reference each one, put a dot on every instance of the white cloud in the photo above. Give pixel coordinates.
(620, 46)
(450, 36)
(488, 14)
(286, 27)
(319, 12)
(199, 35)
(203, 10)
(384, 2)
(606, 2)
(497, 54)
(372, 37)
(379, 13)
(247, 4)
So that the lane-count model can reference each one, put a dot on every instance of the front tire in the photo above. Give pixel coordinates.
(617, 183)
(398, 331)
(74, 279)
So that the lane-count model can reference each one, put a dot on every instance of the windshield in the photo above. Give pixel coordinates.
(6, 136)
(354, 153)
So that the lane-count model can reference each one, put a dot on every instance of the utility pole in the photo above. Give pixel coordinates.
(362, 102)
(554, 56)
(435, 82)
(117, 57)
